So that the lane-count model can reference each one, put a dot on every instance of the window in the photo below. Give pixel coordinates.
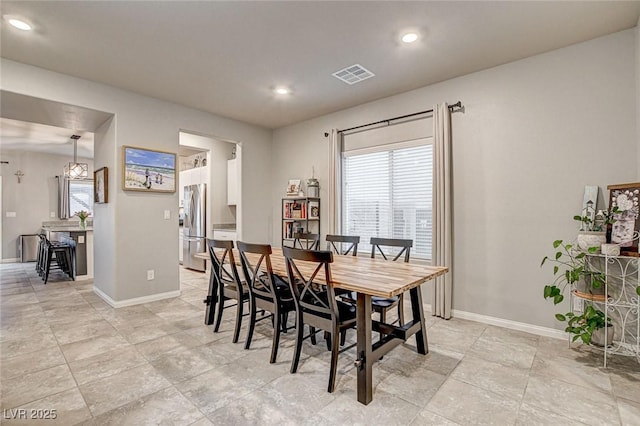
(387, 194)
(80, 196)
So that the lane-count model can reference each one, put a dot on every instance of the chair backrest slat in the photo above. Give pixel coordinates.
(309, 274)
(335, 243)
(404, 245)
(306, 241)
(261, 281)
(223, 262)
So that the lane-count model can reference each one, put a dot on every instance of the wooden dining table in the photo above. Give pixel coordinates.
(369, 277)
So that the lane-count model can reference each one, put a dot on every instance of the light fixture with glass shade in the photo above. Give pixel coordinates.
(75, 170)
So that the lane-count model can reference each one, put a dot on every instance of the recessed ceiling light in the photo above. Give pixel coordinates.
(281, 90)
(409, 37)
(19, 23)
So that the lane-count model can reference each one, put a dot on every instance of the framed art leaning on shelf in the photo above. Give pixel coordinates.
(624, 231)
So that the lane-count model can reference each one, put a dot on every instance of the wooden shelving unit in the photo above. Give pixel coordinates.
(299, 214)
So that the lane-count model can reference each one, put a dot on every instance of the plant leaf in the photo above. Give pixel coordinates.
(558, 255)
(557, 243)
(543, 260)
(555, 269)
(593, 249)
(638, 290)
(557, 299)
(547, 291)
(561, 317)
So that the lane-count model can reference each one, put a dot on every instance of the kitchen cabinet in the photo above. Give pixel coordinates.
(225, 235)
(232, 182)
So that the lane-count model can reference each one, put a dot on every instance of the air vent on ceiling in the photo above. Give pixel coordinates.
(353, 74)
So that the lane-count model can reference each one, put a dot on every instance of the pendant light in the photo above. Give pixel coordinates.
(76, 170)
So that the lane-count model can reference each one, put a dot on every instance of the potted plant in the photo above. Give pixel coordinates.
(571, 273)
(589, 326)
(591, 233)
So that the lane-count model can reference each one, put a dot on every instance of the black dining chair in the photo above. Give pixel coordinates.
(343, 244)
(306, 241)
(267, 292)
(225, 283)
(309, 274)
(402, 250)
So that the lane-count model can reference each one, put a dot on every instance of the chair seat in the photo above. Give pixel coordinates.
(384, 302)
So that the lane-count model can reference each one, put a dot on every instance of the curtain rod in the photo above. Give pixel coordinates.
(455, 107)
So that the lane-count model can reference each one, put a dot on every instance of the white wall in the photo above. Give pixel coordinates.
(32, 200)
(135, 232)
(638, 93)
(533, 134)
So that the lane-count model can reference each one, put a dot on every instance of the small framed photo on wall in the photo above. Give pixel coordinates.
(101, 186)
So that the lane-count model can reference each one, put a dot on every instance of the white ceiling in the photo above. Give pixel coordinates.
(225, 56)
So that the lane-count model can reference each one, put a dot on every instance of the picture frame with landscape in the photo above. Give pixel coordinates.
(148, 170)
(101, 186)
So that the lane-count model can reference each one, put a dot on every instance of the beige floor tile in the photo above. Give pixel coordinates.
(180, 365)
(106, 364)
(167, 407)
(629, 412)
(37, 385)
(31, 362)
(591, 406)
(469, 404)
(535, 416)
(64, 408)
(215, 389)
(152, 349)
(571, 371)
(119, 389)
(94, 346)
(89, 330)
(507, 381)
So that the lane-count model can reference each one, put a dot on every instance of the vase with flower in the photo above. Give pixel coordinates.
(83, 215)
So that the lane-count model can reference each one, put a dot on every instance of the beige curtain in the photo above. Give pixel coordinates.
(441, 291)
(63, 198)
(335, 151)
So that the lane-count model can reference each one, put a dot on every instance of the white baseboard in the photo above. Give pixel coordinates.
(135, 300)
(10, 260)
(513, 325)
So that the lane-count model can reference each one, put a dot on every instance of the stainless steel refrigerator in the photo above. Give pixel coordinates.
(194, 226)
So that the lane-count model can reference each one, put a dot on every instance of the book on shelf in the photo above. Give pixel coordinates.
(314, 209)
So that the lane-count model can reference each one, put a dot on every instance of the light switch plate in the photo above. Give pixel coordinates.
(80, 239)
(11, 214)
(150, 274)
(167, 214)
(52, 214)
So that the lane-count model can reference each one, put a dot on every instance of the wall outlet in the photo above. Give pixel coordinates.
(150, 274)
(578, 304)
(167, 214)
(52, 214)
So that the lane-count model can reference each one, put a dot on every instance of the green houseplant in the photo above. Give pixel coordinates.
(570, 273)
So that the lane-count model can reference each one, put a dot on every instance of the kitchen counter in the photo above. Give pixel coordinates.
(66, 228)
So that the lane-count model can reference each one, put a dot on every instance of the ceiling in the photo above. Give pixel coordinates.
(225, 57)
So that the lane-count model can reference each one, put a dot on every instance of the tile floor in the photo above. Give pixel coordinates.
(62, 348)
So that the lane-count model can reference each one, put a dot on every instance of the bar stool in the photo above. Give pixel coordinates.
(62, 253)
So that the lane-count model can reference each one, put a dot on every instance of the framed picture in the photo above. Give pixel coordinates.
(148, 170)
(624, 230)
(293, 187)
(101, 186)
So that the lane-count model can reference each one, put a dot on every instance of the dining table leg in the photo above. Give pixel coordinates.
(418, 315)
(364, 360)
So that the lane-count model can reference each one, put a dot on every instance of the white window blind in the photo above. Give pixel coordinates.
(80, 196)
(387, 194)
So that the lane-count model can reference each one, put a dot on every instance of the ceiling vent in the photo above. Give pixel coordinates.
(353, 74)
